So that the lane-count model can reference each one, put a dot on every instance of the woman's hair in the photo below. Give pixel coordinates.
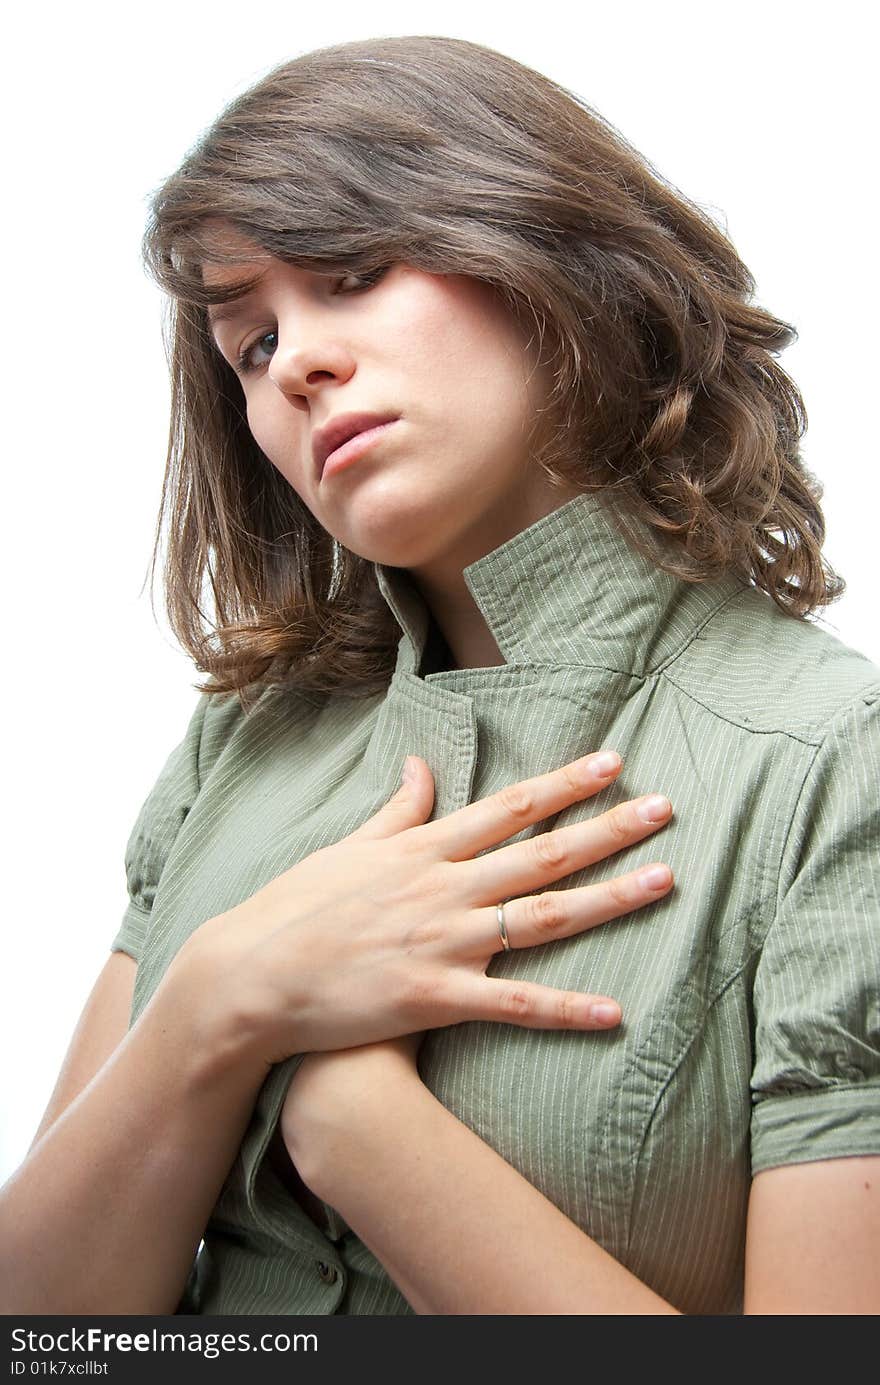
(667, 402)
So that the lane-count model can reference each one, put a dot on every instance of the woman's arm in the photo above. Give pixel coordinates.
(100, 1030)
(124, 1179)
(106, 1212)
(813, 1241)
(465, 1233)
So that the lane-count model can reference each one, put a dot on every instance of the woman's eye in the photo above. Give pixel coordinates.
(245, 361)
(249, 360)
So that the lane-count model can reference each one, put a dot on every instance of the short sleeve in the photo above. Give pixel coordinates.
(816, 1076)
(155, 830)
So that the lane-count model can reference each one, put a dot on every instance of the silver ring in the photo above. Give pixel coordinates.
(501, 927)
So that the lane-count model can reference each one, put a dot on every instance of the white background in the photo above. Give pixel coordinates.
(765, 115)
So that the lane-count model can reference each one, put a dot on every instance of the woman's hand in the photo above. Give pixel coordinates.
(390, 930)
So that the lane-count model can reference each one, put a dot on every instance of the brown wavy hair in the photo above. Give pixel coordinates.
(667, 403)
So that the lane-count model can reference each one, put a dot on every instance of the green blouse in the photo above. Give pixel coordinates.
(749, 993)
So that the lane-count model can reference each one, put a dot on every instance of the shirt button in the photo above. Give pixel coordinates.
(326, 1272)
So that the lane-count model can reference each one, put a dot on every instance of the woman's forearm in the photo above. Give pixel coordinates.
(106, 1212)
(463, 1232)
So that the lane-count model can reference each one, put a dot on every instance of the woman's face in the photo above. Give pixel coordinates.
(451, 478)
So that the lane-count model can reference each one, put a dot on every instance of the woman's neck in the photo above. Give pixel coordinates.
(458, 636)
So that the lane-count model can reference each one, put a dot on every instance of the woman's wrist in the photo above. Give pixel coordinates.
(334, 1095)
(226, 1028)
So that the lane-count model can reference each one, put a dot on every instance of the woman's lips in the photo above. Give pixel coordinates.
(352, 450)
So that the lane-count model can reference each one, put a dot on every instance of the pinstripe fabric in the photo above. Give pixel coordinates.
(749, 994)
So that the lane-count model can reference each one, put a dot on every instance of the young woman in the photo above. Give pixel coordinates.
(482, 452)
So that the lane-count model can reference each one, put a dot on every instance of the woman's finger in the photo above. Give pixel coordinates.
(530, 1006)
(542, 918)
(517, 869)
(409, 805)
(462, 834)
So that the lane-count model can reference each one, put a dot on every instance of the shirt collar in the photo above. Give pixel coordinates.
(569, 589)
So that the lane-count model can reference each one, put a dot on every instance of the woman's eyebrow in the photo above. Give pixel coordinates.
(226, 312)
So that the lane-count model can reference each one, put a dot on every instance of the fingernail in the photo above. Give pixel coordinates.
(603, 764)
(409, 770)
(653, 809)
(604, 1013)
(655, 877)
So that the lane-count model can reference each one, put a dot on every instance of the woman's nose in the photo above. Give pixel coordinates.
(298, 366)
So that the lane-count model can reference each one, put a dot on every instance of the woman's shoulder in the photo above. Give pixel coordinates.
(755, 665)
(234, 740)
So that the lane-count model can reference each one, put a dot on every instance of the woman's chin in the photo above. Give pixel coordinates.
(391, 525)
